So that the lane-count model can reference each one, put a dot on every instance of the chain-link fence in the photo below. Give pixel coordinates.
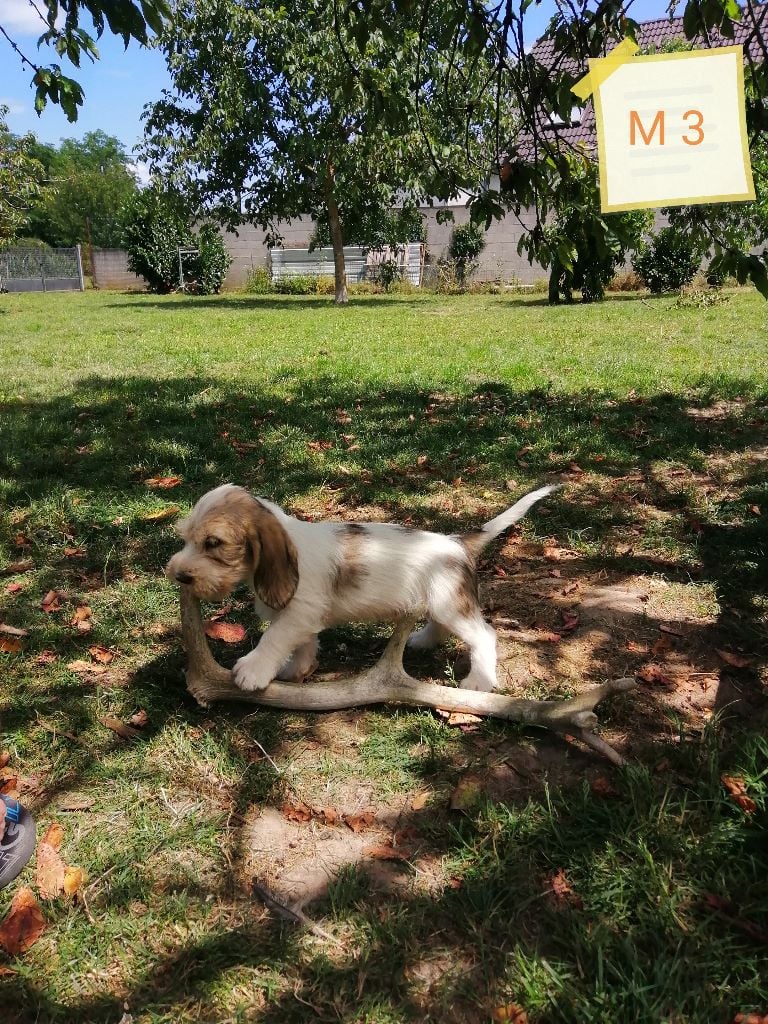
(41, 270)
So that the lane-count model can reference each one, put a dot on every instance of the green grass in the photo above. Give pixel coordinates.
(417, 408)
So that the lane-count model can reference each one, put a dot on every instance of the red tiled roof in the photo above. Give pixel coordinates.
(752, 33)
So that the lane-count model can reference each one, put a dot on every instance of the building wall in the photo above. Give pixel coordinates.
(110, 270)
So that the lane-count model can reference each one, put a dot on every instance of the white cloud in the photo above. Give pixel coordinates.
(20, 17)
(14, 106)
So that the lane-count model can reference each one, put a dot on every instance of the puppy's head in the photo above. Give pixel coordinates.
(230, 537)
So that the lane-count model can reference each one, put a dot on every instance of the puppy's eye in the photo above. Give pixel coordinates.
(211, 543)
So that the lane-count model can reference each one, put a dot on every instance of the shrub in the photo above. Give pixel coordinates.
(259, 281)
(691, 297)
(669, 261)
(466, 243)
(298, 284)
(388, 273)
(157, 225)
(626, 281)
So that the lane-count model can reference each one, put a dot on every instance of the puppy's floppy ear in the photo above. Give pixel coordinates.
(276, 560)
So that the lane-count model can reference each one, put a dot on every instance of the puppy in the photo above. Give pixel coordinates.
(309, 576)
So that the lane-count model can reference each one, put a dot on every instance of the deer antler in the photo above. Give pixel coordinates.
(388, 683)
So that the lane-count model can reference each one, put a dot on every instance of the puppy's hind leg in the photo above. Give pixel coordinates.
(480, 638)
(302, 663)
(429, 636)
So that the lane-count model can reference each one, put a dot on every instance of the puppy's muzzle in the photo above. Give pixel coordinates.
(183, 577)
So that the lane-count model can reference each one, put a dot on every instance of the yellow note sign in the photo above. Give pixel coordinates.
(671, 128)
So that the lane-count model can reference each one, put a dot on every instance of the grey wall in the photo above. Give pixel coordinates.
(110, 270)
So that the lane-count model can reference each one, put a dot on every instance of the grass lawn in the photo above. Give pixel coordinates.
(454, 873)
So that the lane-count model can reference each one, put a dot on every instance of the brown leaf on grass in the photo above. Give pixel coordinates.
(17, 568)
(21, 540)
(163, 483)
(299, 812)
(5, 757)
(603, 787)
(23, 925)
(553, 554)
(229, 632)
(54, 835)
(359, 822)
(751, 1018)
(52, 601)
(327, 815)
(101, 654)
(14, 588)
(4, 971)
(10, 786)
(49, 873)
(82, 612)
(734, 660)
(46, 658)
(9, 645)
(456, 718)
(139, 720)
(562, 889)
(510, 1013)
(74, 552)
(73, 880)
(548, 636)
(126, 731)
(737, 791)
(662, 646)
(755, 510)
(161, 514)
(12, 630)
(75, 802)
(466, 793)
(86, 667)
(655, 675)
(319, 446)
(385, 851)
(570, 621)
(419, 801)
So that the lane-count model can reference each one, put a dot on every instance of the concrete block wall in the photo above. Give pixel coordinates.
(110, 270)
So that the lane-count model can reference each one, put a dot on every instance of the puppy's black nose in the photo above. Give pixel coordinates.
(183, 577)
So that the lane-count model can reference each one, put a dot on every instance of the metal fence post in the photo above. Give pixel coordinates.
(80, 267)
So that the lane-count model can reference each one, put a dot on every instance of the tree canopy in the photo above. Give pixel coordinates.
(21, 179)
(89, 180)
(61, 28)
(276, 113)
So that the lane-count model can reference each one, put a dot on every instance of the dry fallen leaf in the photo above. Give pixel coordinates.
(161, 514)
(299, 812)
(511, 1013)
(101, 654)
(734, 660)
(656, 676)
(14, 588)
(24, 924)
(454, 718)
(570, 621)
(601, 786)
(163, 482)
(327, 815)
(563, 891)
(9, 786)
(139, 720)
(751, 1018)
(73, 880)
(737, 791)
(466, 793)
(54, 835)
(360, 822)
(49, 873)
(51, 602)
(46, 658)
(75, 802)
(9, 645)
(74, 552)
(5, 757)
(662, 646)
(385, 851)
(229, 632)
(82, 614)
(420, 800)
(12, 630)
(126, 731)
(17, 568)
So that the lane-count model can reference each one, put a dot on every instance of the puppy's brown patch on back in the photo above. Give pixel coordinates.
(351, 569)
(467, 598)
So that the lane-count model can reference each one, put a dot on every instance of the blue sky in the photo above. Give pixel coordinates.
(119, 85)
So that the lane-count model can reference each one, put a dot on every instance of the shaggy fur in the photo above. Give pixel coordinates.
(309, 576)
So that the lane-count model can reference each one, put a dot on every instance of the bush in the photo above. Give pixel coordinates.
(669, 261)
(259, 281)
(157, 225)
(466, 243)
(298, 284)
(627, 281)
(692, 297)
(388, 273)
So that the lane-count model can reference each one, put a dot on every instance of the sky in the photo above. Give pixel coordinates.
(118, 86)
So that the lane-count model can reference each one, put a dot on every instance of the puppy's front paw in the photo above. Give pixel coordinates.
(246, 675)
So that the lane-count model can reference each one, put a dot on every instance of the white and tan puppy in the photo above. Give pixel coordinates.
(309, 576)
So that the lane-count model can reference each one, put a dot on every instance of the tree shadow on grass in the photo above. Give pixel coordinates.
(442, 955)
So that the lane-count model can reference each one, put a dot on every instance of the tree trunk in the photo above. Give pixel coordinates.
(337, 238)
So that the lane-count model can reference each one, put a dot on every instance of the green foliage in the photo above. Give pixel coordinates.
(466, 243)
(268, 100)
(63, 32)
(668, 261)
(700, 298)
(21, 179)
(158, 223)
(297, 284)
(375, 229)
(388, 274)
(582, 246)
(258, 281)
(91, 182)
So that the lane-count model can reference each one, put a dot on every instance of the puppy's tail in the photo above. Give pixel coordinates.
(476, 540)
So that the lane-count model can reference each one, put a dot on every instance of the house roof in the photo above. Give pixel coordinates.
(752, 33)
